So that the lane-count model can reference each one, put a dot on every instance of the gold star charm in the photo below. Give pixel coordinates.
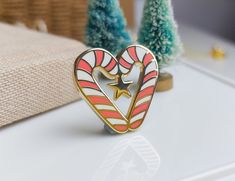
(120, 88)
(217, 53)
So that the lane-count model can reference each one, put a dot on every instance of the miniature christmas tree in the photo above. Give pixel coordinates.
(158, 31)
(106, 26)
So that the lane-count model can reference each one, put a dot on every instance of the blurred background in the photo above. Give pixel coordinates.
(68, 17)
(215, 16)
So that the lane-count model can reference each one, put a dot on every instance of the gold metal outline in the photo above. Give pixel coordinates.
(111, 77)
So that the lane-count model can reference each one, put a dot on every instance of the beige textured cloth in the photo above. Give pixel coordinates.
(36, 72)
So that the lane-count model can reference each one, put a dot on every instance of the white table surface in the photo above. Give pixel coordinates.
(188, 131)
(198, 45)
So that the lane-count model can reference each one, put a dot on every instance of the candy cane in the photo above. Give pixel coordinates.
(90, 89)
(148, 79)
(99, 101)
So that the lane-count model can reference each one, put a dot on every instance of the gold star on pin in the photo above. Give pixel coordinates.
(120, 88)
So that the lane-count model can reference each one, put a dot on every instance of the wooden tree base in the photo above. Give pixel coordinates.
(165, 82)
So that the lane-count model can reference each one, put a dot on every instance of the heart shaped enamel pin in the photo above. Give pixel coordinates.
(115, 69)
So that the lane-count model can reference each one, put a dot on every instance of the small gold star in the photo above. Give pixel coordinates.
(120, 88)
(217, 53)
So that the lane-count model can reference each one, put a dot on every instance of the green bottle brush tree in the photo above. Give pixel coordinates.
(158, 32)
(106, 26)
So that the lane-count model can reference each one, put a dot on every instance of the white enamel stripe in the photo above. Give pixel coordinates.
(91, 92)
(150, 67)
(90, 58)
(82, 75)
(116, 121)
(123, 69)
(140, 53)
(149, 83)
(106, 60)
(138, 116)
(127, 57)
(145, 99)
(105, 107)
(114, 71)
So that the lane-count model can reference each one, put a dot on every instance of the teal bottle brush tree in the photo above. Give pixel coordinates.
(158, 32)
(106, 26)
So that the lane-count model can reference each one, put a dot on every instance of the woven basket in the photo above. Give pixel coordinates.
(66, 18)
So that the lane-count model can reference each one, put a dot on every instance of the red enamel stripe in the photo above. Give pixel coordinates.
(82, 64)
(88, 84)
(111, 65)
(146, 92)
(99, 57)
(147, 58)
(132, 53)
(111, 114)
(142, 107)
(149, 76)
(99, 100)
(121, 128)
(125, 64)
(136, 124)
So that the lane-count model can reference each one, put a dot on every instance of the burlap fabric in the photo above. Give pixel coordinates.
(36, 72)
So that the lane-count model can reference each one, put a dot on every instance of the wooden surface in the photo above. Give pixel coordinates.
(66, 18)
(165, 82)
(128, 8)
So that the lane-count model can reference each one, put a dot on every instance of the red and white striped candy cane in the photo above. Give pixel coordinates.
(92, 92)
(99, 101)
(137, 54)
